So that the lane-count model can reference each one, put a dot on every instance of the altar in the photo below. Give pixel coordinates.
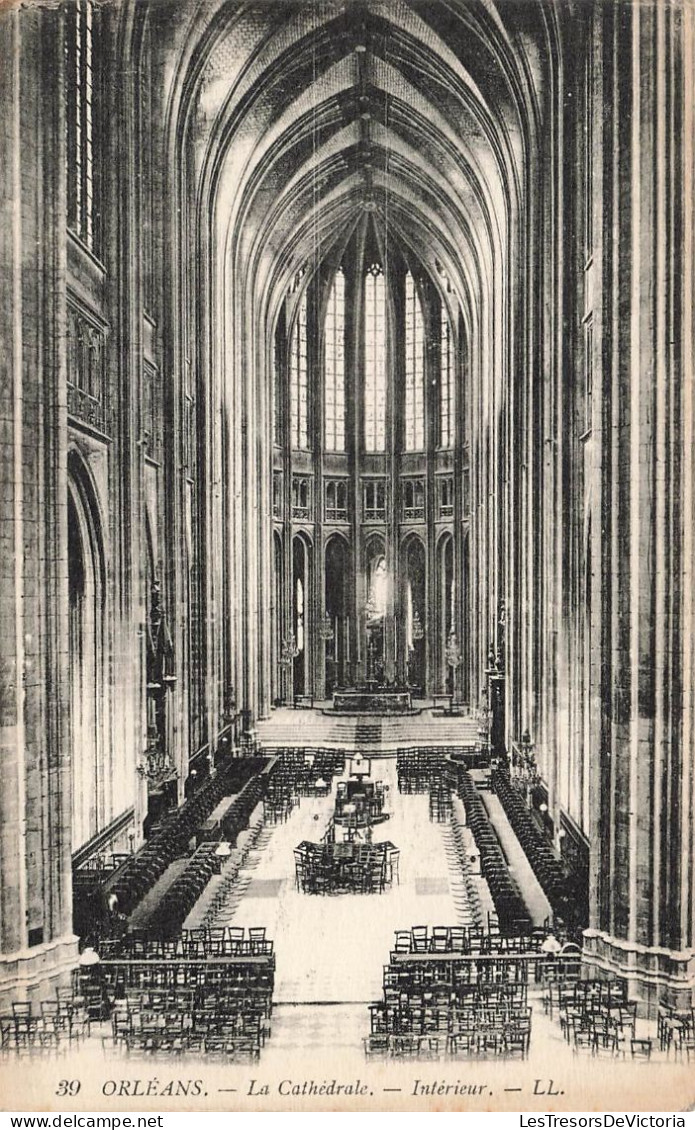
(372, 700)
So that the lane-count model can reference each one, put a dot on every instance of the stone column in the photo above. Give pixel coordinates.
(36, 939)
(643, 876)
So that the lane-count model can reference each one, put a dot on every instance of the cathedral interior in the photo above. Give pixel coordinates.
(346, 435)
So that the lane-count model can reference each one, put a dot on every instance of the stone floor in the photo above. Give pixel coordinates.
(333, 948)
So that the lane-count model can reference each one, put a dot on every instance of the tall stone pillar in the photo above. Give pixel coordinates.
(36, 939)
(642, 889)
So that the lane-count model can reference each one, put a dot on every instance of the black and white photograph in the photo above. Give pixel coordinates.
(347, 648)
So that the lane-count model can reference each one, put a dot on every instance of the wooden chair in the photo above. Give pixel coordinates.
(419, 939)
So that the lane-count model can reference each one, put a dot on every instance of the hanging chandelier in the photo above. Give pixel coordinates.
(326, 629)
(156, 766)
(289, 650)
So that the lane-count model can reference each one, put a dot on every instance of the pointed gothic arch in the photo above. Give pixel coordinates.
(89, 700)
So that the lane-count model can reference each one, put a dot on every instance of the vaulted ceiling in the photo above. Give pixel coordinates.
(300, 116)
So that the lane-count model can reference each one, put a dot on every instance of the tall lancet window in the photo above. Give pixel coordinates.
(374, 360)
(334, 366)
(414, 369)
(80, 111)
(278, 407)
(298, 380)
(446, 384)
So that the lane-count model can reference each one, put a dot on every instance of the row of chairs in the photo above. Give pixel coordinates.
(179, 899)
(296, 773)
(676, 1030)
(197, 943)
(456, 979)
(467, 940)
(238, 1022)
(280, 799)
(139, 873)
(546, 866)
(596, 1016)
(238, 813)
(588, 994)
(440, 801)
(438, 1002)
(420, 769)
(462, 857)
(511, 909)
(473, 1044)
(53, 1025)
(446, 1017)
(239, 979)
(304, 766)
(215, 903)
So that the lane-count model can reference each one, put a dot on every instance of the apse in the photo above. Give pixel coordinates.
(365, 219)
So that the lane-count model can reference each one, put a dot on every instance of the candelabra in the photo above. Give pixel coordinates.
(229, 706)
(524, 760)
(289, 651)
(453, 657)
(495, 676)
(484, 721)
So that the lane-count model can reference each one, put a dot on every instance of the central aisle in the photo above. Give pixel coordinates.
(333, 948)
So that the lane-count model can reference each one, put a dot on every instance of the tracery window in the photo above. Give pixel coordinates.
(446, 496)
(277, 494)
(334, 366)
(446, 384)
(301, 497)
(336, 509)
(374, 500)
(413, 500)
(298, 379)
(414, 369)
(375, 360)
(80, 114)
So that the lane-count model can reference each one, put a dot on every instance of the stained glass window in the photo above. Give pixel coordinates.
(414, 369)
(375, 360)
(446, 384)
(334, 366)
(298, 379)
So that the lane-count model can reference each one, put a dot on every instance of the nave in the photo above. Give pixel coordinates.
(444, 963)
(333, 947)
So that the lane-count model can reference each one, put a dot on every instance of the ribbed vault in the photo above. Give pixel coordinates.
(300, 115)
(292, 124)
